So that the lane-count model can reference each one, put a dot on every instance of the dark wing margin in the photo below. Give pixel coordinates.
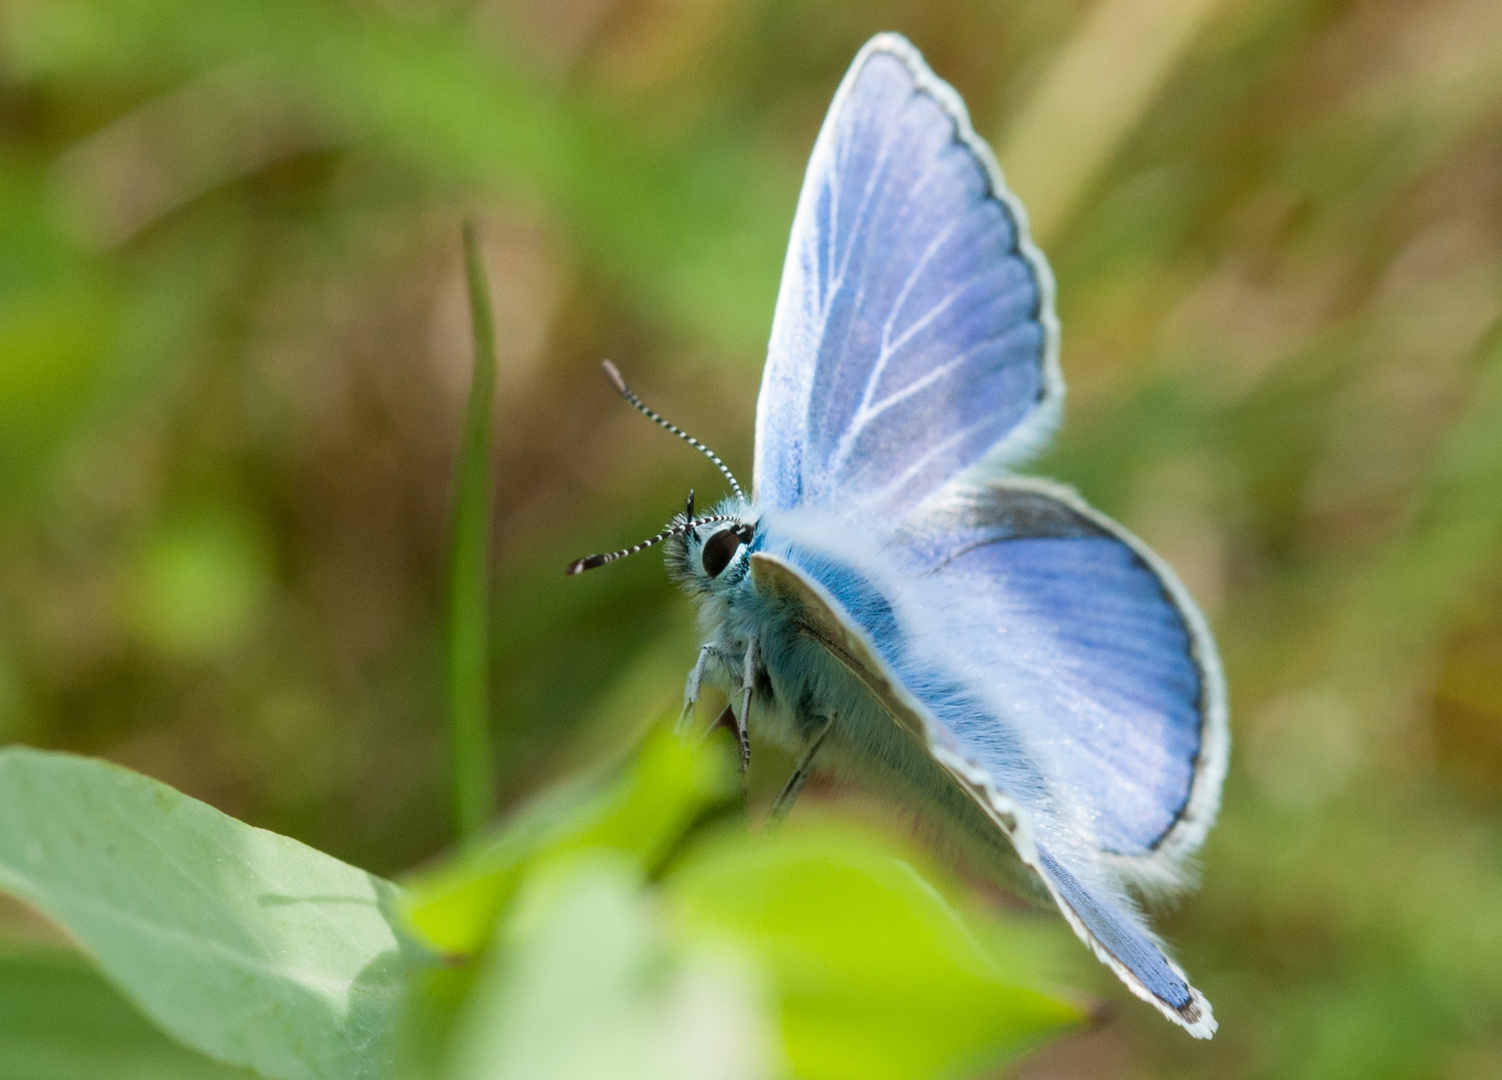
(914, 334)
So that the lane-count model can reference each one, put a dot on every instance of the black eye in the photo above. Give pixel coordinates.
(720, 548)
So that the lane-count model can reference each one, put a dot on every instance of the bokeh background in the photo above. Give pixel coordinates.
(234, 353)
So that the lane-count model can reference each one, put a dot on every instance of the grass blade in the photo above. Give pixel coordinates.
(469, 566)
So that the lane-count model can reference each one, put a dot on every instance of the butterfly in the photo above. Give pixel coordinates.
(893, 604)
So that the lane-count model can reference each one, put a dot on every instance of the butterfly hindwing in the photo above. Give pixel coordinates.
(1107, 921)
(896, 675)
(914, 333)
(1100, 657)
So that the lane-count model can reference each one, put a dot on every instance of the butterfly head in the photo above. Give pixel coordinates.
(707, 555)
(711, 555)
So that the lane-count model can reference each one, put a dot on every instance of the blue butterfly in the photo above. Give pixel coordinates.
(894, 605)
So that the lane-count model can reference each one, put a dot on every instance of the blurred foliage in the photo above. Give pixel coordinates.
(233, 359)
(624, 928)
(879, 978)
(62, 1021)
(648, 943)
(640, 812)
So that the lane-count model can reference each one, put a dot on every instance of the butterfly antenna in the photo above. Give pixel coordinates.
(589, 562)
(613, 373)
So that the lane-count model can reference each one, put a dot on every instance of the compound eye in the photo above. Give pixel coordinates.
(719, 549)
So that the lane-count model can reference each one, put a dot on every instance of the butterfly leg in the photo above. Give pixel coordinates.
(805, 764)
(748, 683)
(710, 650)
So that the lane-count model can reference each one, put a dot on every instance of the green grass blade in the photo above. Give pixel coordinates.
(469, 567)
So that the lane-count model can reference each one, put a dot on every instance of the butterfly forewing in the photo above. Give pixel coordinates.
(914, 333)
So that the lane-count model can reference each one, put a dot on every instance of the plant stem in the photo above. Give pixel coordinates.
(469, 567)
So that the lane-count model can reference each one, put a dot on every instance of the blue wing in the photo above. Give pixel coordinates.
(914, 333)
(1112, 927)
(1104, 662)
(1086, 658)
(1062, 677)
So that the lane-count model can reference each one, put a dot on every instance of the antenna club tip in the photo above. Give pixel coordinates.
(589, 562)
(613, 373)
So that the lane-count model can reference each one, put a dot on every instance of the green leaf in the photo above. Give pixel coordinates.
(588, 982)
(640, 811)
(879, 977)
(248, 946)
(59, 1020)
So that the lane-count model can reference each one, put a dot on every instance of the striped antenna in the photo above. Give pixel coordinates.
(613, 373)
(589, 562)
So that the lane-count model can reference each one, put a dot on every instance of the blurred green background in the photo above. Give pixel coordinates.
(234, 352)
